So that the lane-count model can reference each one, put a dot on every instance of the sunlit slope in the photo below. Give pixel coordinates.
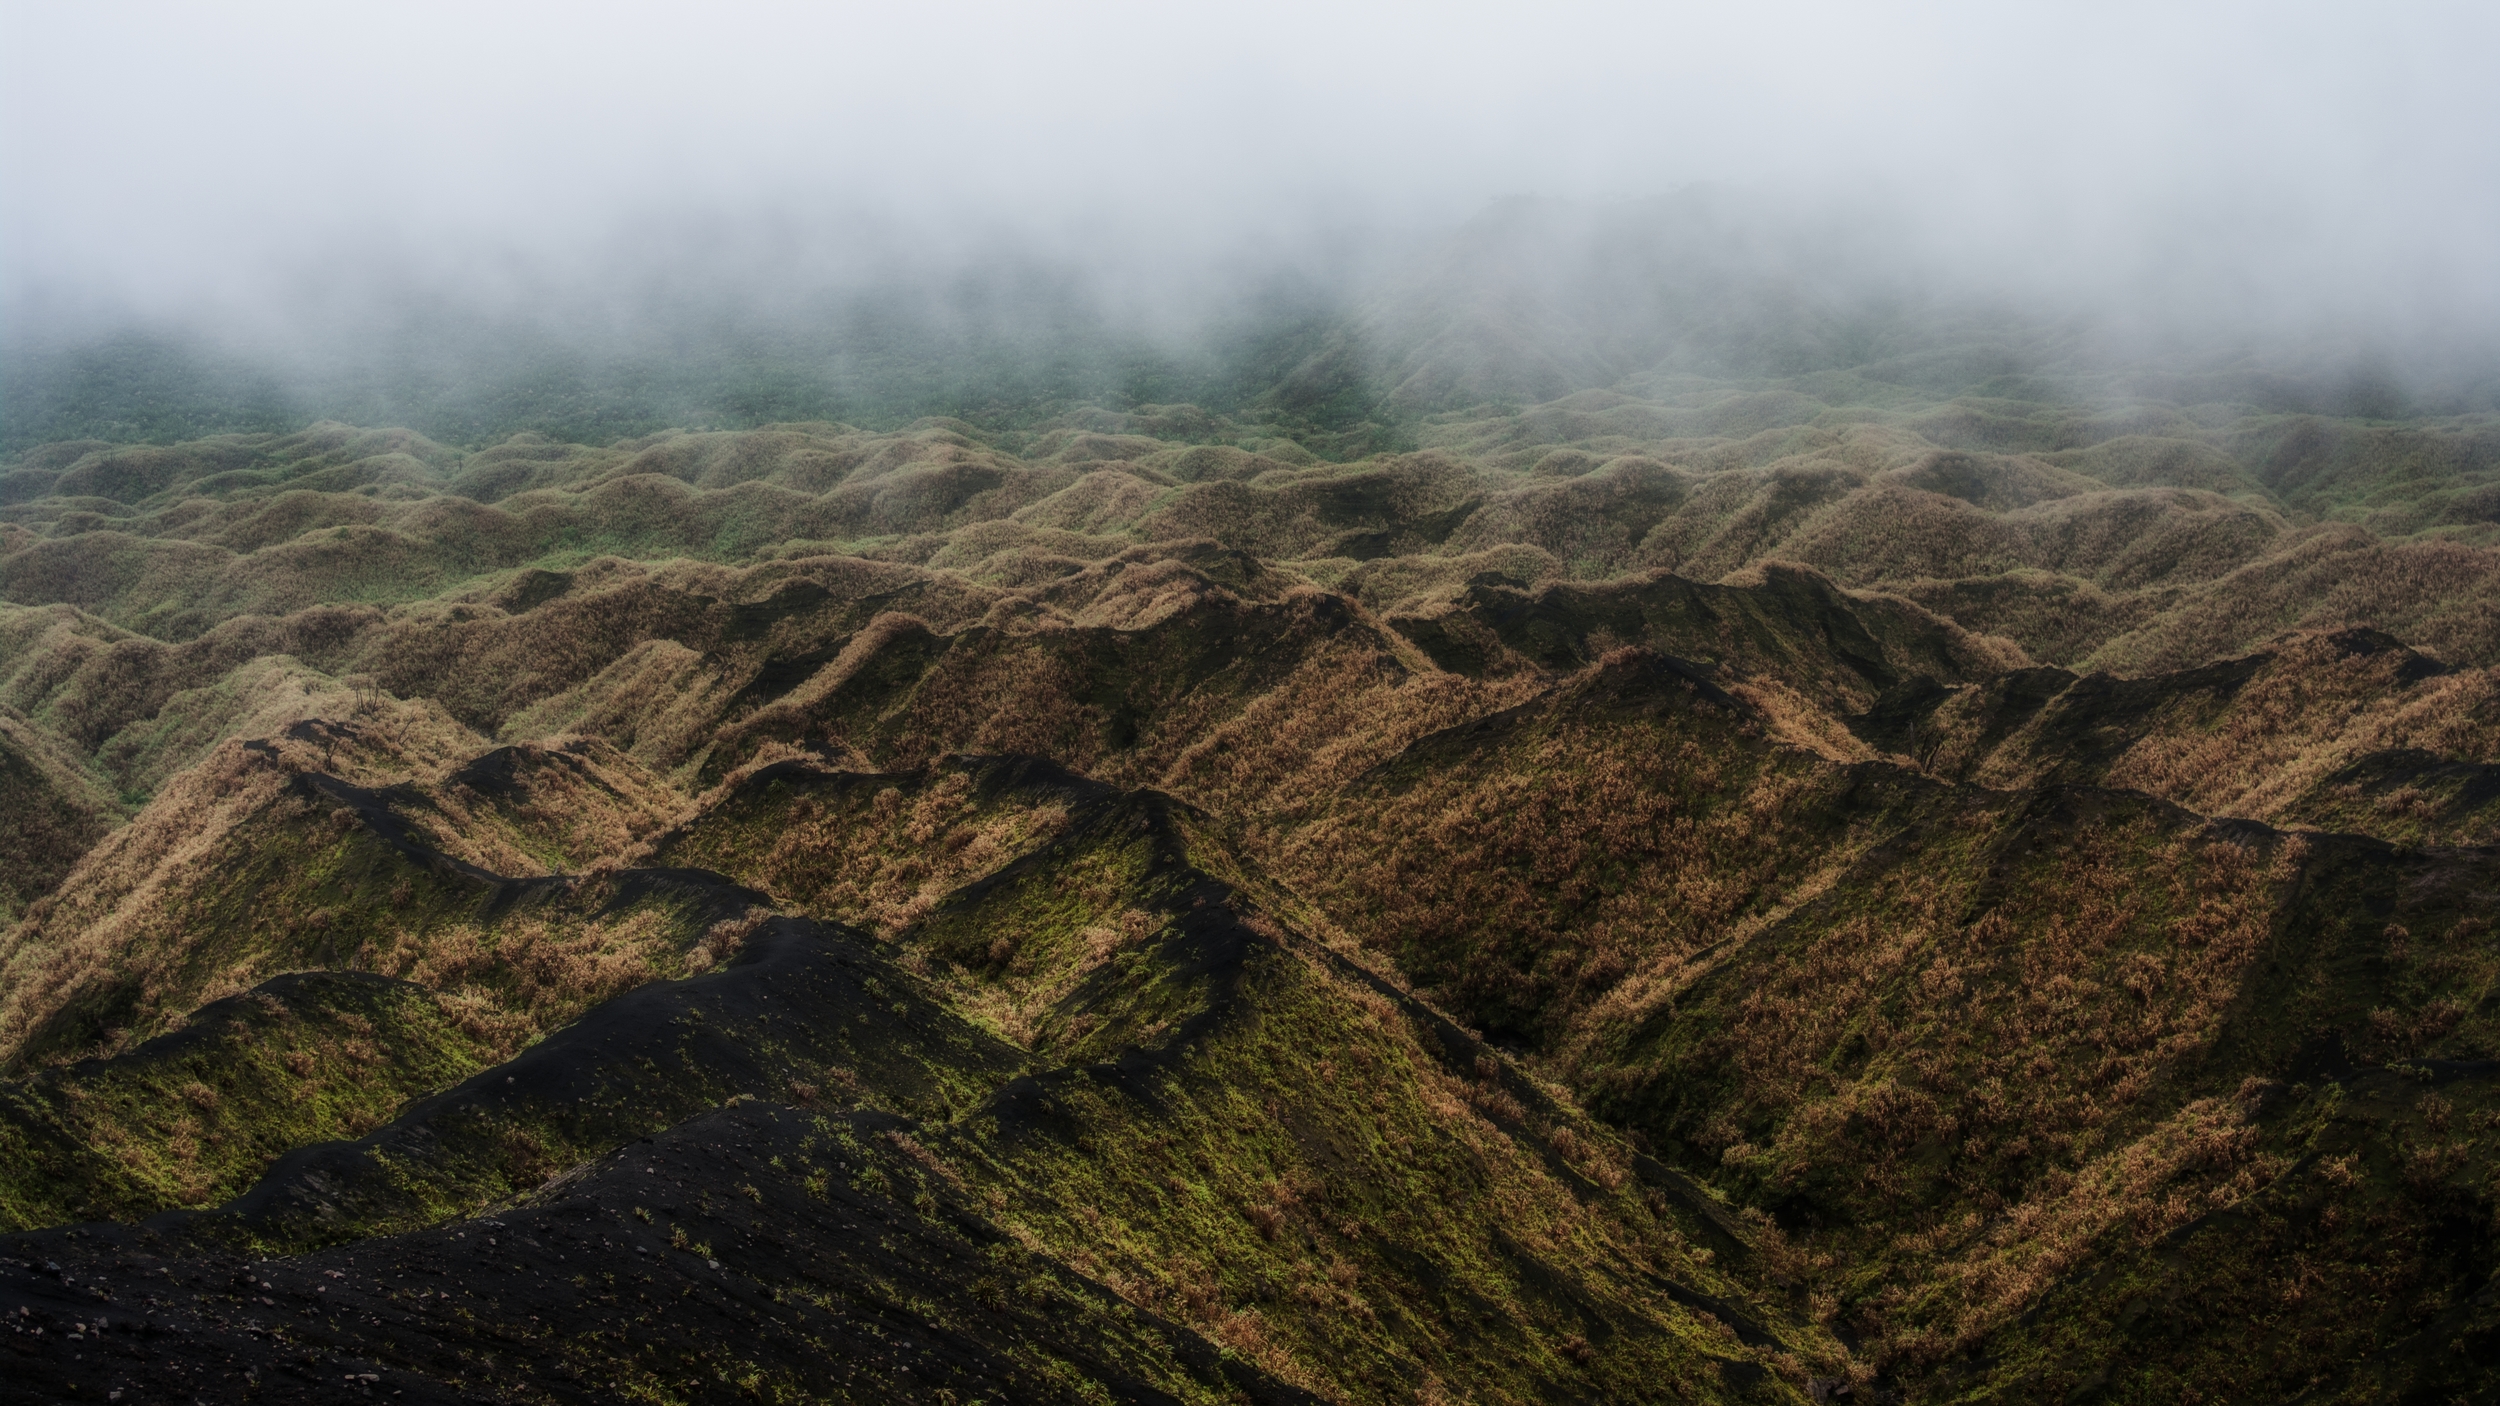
(267, 859)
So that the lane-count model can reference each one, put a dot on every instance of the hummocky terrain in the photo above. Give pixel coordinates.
(1877, 884)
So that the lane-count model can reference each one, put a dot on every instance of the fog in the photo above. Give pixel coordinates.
(299, 177)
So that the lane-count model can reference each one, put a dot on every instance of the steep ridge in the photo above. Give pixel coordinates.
(1160, 1005)
(878, 849)
(2377, 1189)
(1580, 845)
(2347, 725)
(1088, 944)
(1974, 1069)
(309, 1056)
(1189, 1143)
(1790, 624)
(1960, 1043)
(1183, 1018)
(802, 1011)
(196, 1116)
(264, 861)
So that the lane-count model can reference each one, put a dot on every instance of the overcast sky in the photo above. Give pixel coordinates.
(179, 154)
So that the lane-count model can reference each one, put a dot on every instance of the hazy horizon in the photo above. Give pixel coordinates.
(306, 185)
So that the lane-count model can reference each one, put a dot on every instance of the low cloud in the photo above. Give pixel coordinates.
(298, 175)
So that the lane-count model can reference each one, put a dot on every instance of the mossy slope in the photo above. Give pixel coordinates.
(1246, 1131)
(757, 1251)
(801, 1013)
(1188, 1135)
(193, 1118)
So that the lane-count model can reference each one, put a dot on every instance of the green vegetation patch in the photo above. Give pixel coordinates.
(190, 1119)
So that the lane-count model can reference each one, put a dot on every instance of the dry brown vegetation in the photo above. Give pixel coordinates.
(2269, 737)
(241, 870)
(870, 849)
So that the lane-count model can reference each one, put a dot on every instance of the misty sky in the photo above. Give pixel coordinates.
(194, 156)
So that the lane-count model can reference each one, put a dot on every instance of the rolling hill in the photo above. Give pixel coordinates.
(1817, 869)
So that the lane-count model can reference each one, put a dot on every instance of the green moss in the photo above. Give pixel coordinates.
(192, 1118)
(1248, 1134)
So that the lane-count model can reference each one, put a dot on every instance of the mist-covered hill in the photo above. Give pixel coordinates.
(1302, 702)
(1348, 347)
(1482, 862)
